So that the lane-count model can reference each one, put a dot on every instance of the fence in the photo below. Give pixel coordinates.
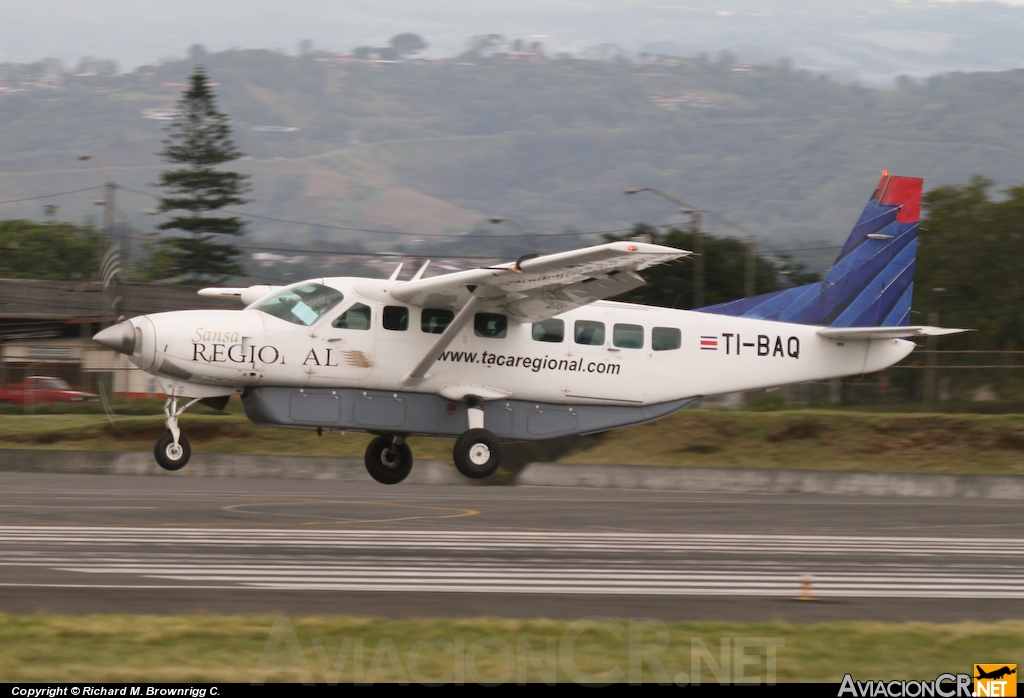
(981, 381)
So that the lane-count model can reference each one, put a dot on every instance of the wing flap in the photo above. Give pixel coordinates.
(542, 287)
(866, 333)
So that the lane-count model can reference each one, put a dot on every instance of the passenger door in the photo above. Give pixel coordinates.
(344, 350)
(608, 356)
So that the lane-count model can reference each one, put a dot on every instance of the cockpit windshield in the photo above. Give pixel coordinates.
(302, 304)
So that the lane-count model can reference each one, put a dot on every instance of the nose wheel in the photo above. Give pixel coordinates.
(388, 459)
(172, 450)
(171, 455)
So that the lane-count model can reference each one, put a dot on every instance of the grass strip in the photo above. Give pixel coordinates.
(137, 648)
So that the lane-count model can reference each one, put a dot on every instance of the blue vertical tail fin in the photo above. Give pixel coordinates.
(871, 282)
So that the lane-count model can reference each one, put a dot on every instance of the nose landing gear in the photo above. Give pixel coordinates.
(172, 450)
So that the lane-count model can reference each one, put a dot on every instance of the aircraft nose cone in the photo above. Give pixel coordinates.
(119, 337)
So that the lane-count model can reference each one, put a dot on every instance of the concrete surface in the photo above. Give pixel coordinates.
(429, 472)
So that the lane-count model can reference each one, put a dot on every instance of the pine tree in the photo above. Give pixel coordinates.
(199, 139)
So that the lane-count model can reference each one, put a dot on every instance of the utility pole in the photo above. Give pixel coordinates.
(931, 361)
(110, 212)
(108, 209)
(751, 268)
(698, 261)
(111, 300)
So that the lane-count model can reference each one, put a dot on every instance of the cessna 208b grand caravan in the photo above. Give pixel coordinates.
(525, 350)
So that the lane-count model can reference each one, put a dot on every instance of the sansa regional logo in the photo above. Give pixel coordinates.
(995, 680)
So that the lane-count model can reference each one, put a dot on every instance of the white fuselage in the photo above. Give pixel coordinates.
(200, 353)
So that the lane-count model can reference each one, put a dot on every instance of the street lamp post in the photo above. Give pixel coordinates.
(698, 239)
(108, 194)
(750, 285)
(109, 210)
(518, 228)
(124, 246)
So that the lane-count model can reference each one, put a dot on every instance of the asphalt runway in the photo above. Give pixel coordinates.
(106, 544)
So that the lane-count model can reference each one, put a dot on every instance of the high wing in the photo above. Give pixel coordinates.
(538, 288)
(247, 295)
(531, 290)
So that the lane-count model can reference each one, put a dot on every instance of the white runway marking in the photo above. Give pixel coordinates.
(502, 540)
(513, 562)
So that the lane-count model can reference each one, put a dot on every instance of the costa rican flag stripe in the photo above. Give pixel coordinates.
(709, 343)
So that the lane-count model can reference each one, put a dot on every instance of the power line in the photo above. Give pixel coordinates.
(47, 196)
(341, 253)
(804, 249)
(406, 233)
(461, 236)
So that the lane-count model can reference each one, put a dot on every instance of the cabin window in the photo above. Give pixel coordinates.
(355, 318)
(549, 331)
(589, 332)
(396, 317)
(302, 304)
(628, 336)
(666, 338)
(490, 325)
(435, 320)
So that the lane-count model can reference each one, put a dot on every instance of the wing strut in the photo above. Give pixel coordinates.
(416, 376)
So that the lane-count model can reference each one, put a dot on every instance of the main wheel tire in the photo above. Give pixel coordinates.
(477, 453)
(169, 456)
(387, 462)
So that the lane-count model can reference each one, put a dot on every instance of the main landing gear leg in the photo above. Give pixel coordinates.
(388, 459)
(477, 452)
(172, 450)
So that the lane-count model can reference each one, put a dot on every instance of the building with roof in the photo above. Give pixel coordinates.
(46, 329)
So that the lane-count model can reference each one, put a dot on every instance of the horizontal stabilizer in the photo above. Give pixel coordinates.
(865, 333)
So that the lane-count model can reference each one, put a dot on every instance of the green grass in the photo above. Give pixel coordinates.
(207, 433)
(819, 440)
(797, 439)
(123, 648)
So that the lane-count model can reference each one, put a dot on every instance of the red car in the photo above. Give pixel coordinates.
(36, 390)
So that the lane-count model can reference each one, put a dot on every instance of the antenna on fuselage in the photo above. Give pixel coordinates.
(395, 273)
(419, 275)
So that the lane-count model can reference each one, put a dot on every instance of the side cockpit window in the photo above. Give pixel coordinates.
(302, 304)
(396, 318)
(355, 318)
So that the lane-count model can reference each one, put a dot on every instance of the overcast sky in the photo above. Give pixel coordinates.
(871, 40)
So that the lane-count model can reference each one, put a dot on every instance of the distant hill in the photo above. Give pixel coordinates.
(433, 148)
